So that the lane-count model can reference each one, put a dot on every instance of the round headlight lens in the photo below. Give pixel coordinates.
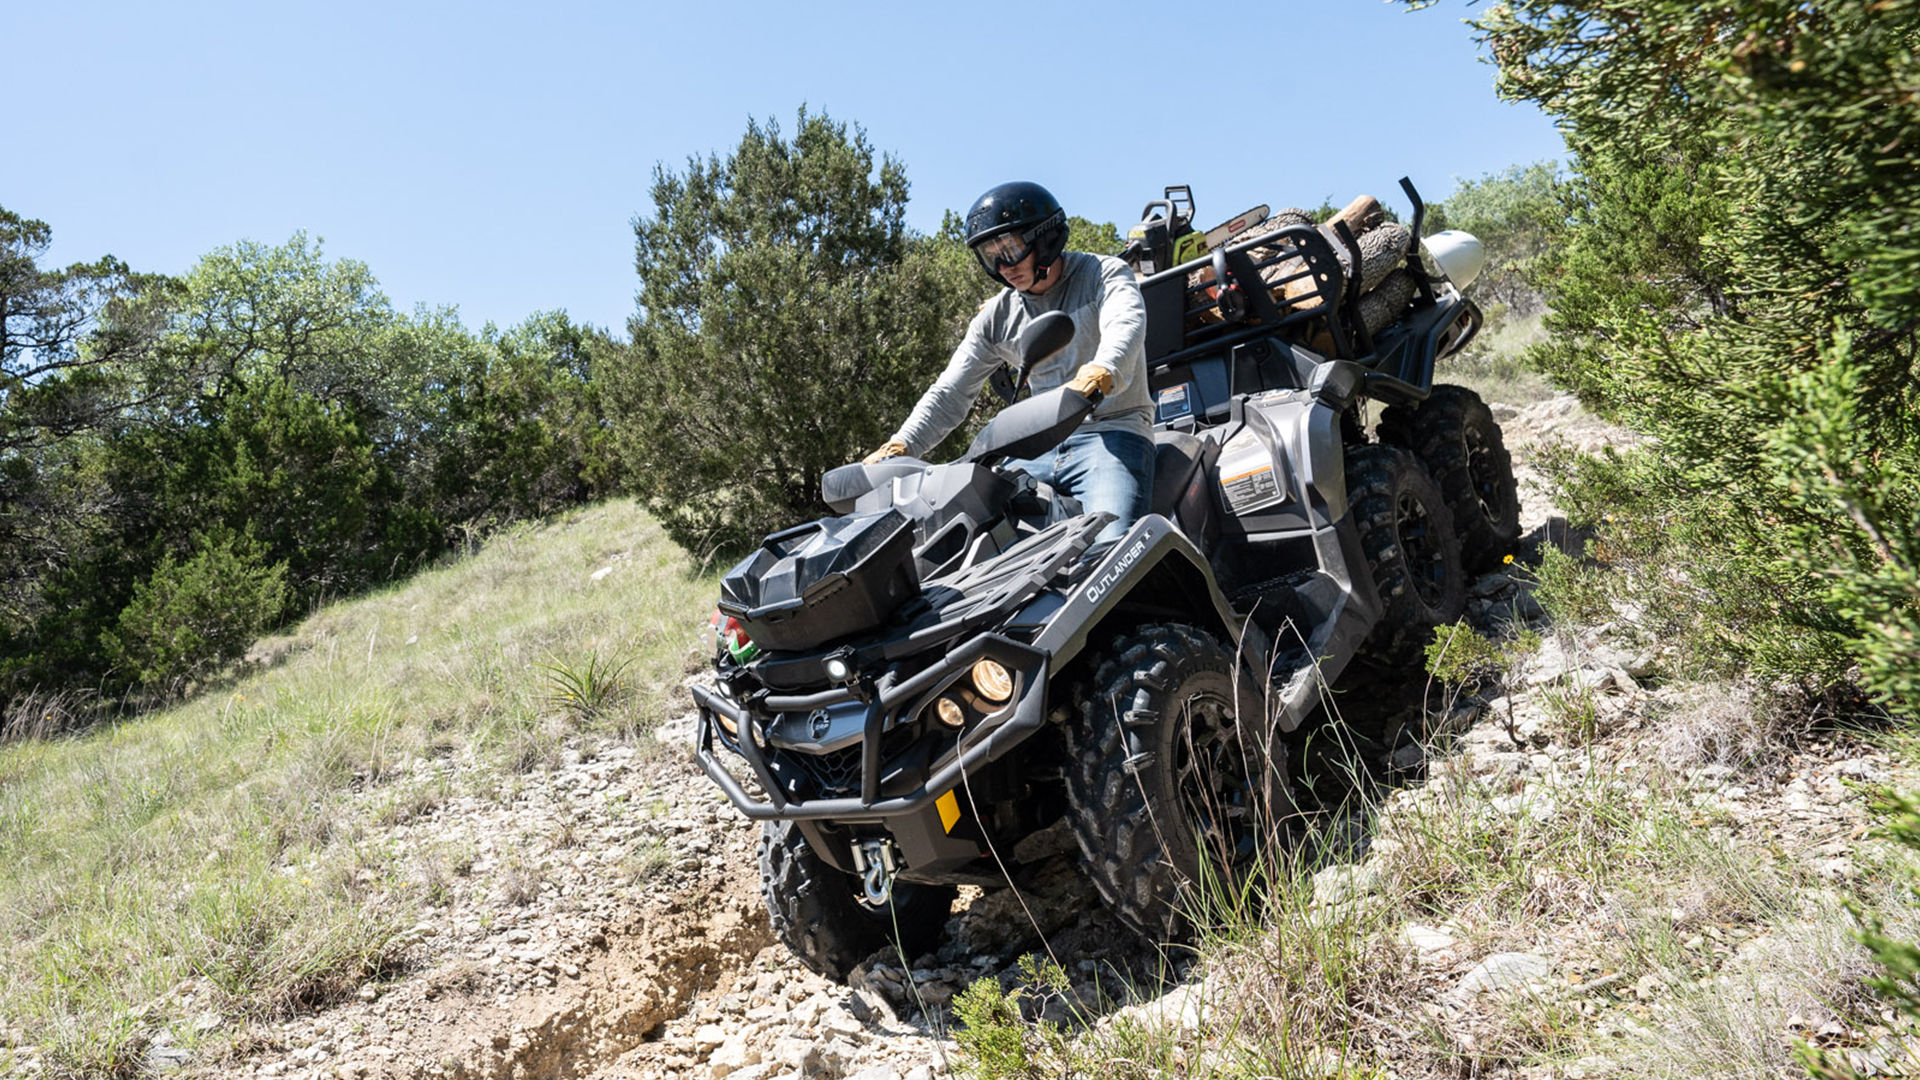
(990, 677)
(838, 669)
(950, 712)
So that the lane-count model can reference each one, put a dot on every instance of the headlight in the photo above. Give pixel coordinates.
(991, 679)
(950, 712)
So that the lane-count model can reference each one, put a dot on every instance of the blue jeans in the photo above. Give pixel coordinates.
(1105, 470)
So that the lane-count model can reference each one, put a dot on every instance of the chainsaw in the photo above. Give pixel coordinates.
(1166, 237)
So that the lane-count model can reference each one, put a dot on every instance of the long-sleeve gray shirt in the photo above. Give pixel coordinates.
(1109, 329)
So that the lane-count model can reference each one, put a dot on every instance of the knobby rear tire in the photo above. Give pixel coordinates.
(1412, 549)
(1456, 437)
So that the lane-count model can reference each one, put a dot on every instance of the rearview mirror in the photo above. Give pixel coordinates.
(1030, 428)
(1043, 337)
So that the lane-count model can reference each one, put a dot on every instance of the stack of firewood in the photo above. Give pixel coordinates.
(1386, 288)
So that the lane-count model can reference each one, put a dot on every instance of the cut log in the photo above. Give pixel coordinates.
(1360, 215)
(1292, 215)
(1382, 251)
(1383, 306)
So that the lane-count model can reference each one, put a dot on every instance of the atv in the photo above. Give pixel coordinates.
(914, 694)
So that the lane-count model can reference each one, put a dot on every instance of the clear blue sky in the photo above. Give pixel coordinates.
(492, 156)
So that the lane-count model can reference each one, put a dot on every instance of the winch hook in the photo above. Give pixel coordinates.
(874, 861)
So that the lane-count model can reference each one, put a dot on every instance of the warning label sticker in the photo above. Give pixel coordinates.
(1173, 404)
(1250, 490)
(1247, 479)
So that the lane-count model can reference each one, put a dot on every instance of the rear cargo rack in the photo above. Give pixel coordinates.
(1185, 310)
(1287, 278)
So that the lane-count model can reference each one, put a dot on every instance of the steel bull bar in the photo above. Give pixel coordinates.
(980, 744)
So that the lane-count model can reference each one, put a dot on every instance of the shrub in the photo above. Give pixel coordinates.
(190, 617)
(995, 1039)
(1461, 656)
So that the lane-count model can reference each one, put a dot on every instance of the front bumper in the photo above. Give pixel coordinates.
(888, 706)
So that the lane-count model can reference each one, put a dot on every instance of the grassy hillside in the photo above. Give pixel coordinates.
(196, 868)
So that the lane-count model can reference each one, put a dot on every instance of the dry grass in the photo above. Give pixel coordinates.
(1732, 724)
(210, 859)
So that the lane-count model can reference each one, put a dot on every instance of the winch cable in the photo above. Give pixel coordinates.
(966, 783)
(906, 970)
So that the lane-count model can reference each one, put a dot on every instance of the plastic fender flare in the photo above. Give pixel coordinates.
(1323, 460)
(1153, 547)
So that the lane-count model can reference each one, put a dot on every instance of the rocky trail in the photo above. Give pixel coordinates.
(606, 922)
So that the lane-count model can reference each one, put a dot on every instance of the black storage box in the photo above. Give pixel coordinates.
(814, 583)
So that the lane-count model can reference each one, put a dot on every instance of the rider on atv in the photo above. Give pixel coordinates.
(1019, 233)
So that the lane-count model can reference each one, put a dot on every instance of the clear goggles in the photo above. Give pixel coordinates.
(1003, 251)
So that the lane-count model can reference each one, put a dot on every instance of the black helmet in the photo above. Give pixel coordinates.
(1022, 209)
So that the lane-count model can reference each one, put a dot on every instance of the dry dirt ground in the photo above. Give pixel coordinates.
(603, 918)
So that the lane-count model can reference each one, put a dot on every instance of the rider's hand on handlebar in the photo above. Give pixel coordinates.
(892, 448)
(1092, 380)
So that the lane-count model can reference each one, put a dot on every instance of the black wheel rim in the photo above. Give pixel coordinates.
(1210, 773)
(1484, 477)
(1420, 548)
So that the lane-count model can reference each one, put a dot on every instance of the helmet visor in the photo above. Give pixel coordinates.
(1004, 250)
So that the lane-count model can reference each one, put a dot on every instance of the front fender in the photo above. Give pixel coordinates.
(1156, 565)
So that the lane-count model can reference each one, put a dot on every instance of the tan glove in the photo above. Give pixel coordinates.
(1092, 379)
(892, 448)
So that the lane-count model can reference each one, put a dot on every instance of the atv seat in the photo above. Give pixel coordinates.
(1180, 493)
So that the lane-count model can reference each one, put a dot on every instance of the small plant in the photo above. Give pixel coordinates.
(1573, 588)
(996, 1040)
(462, 860)
(1461, 656)
(645, 860)
(586, 691)
(436, 881)
(413, 803)
(1576, 717)
(519, 883)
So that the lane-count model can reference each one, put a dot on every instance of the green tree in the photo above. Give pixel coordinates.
(297, 475)
(1098, 237)
(264, 433)
(519, 431)
(75, 356)
(294, 408)
(1741, 280)
(61, 371)
(1518, 215)
(254, 312)
(787, 318)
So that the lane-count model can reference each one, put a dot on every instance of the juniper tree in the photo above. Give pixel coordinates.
(787, 318)
(1741, 280)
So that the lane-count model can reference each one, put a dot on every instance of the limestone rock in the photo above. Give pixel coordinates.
(1503, 974)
